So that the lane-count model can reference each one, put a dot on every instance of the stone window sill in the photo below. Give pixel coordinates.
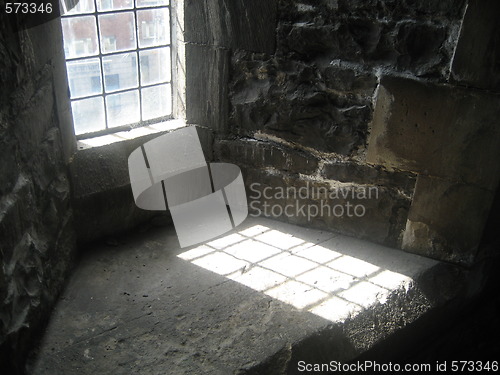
(128, 135)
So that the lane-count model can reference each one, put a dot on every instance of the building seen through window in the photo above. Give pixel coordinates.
(118, 60)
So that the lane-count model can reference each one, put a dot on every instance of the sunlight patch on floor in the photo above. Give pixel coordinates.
(308, 276)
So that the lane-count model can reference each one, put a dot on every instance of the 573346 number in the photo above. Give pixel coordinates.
(27, 7)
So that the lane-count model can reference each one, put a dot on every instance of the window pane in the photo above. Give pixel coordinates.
(88, 115)
(83, 6)
(155, 65)
(84, 77)
(107, 5)
(153, 27)
(117, 32)
(120, 71)
(156, 101)
(80, 36)
(123, 108)
(151, 3)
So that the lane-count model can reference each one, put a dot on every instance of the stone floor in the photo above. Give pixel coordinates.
(256, 300)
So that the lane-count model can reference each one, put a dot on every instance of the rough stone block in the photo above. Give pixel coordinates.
(446, 220)
(421, 47)
(437, 130)
(301, 103)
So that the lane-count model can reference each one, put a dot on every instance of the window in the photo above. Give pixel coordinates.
(118, 58)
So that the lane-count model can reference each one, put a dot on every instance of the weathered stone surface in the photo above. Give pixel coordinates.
(36, 221)
(368, 174)
(477, 57)
(326, 107)
(414, 37)
(437, 130)
(237, 24)
(253, 24)
(253, 153)
(446, 219)
(417, 48)
(207, 77)
(146, 305)
(205, 23)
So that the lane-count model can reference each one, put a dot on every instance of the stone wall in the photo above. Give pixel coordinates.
(360, 94)
(36, 229)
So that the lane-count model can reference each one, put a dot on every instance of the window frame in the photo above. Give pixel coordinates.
(171, 43)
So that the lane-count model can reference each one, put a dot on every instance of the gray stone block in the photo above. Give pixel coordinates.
(437, 130)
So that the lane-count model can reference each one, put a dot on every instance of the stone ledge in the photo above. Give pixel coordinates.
(103, 191)
(368, 174)
(257, 300)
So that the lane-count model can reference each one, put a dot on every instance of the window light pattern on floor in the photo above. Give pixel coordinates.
(305, 275)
